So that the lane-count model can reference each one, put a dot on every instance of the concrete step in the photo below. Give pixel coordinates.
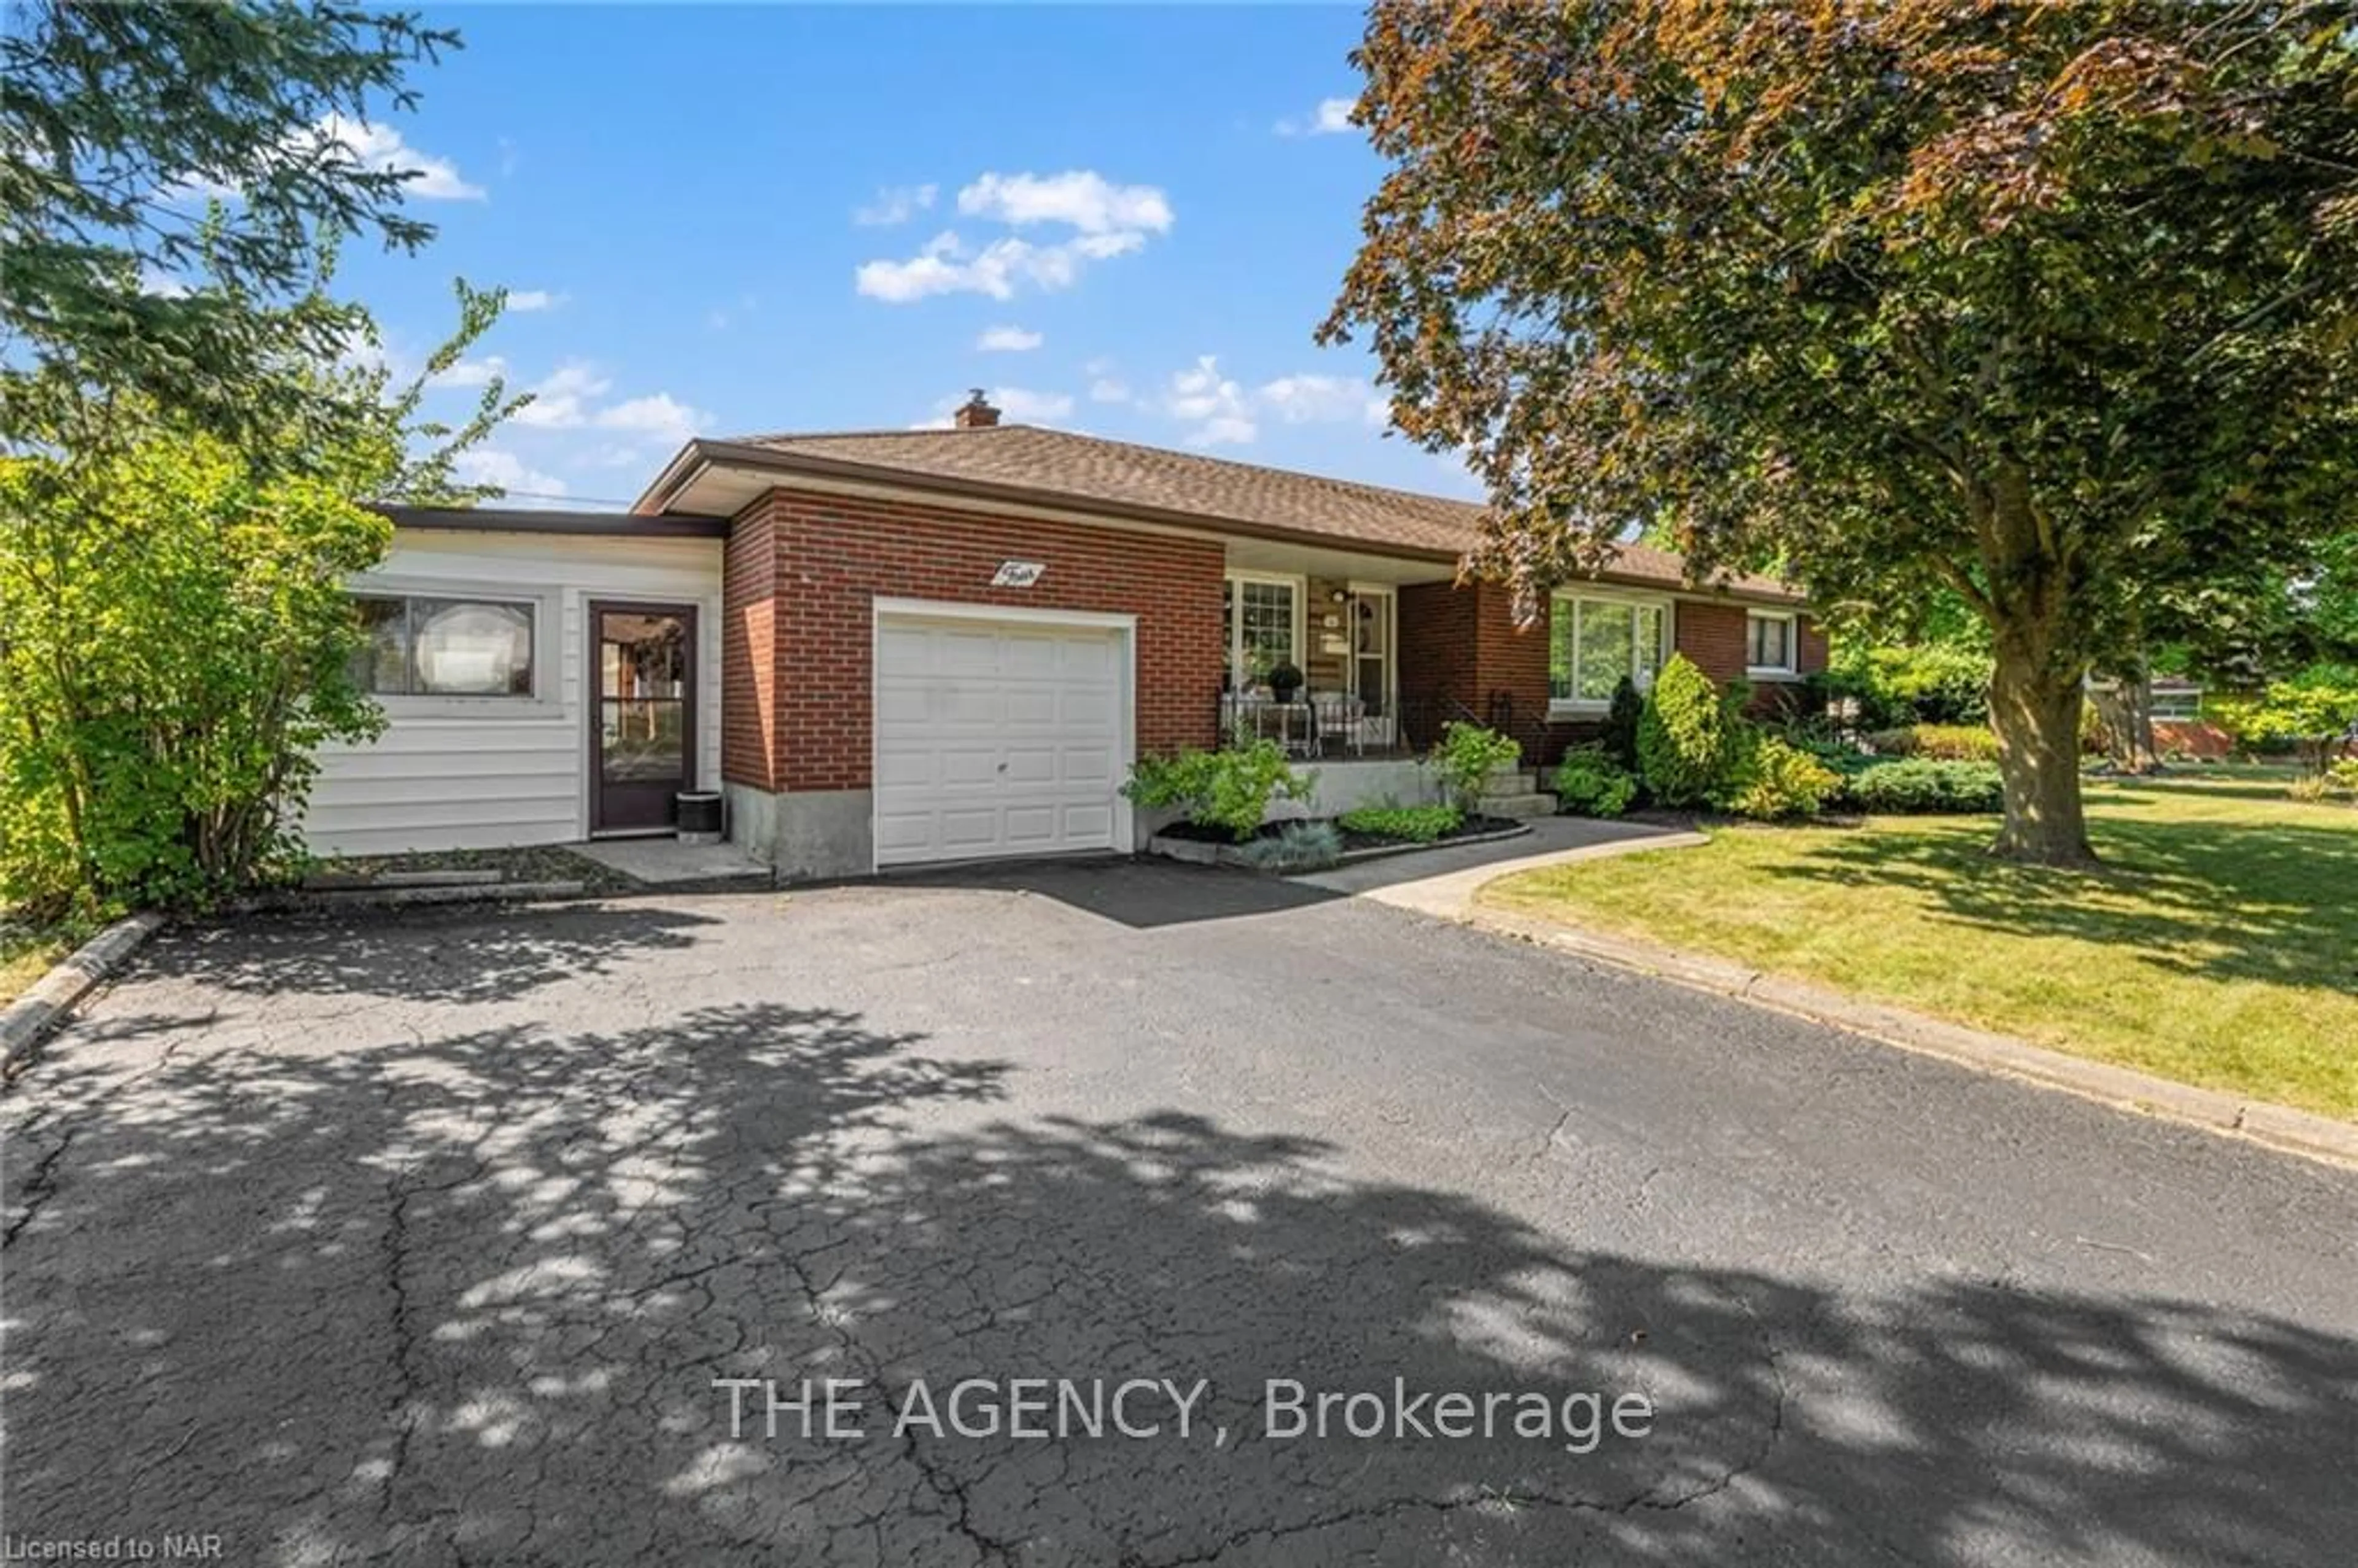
(1509, 782)
(1520, 806)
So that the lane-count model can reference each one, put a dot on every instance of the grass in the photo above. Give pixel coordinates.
(2218, 946)
(27, 953)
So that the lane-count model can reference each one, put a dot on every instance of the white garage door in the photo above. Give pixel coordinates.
(995, 738)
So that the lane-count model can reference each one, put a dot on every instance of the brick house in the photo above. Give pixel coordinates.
(897, 647)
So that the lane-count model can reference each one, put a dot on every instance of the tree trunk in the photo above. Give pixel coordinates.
(2144, 754)
(2126, 706)
(2035, 706)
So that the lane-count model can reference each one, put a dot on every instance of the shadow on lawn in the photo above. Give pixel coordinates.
(2256, 901)
(462, 1299)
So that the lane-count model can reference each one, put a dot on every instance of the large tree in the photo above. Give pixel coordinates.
(2050, 306)
(175, 635)
(171, 177)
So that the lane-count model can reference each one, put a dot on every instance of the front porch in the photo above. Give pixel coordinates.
(1318, 658)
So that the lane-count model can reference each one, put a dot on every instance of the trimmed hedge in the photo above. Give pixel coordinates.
(1939, 742)
(1415, 823)
(1924, 784)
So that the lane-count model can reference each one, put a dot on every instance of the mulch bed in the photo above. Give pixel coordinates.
(537, 864)
(1471, 828)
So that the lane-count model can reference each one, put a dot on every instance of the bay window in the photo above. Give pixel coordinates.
(1595, 639)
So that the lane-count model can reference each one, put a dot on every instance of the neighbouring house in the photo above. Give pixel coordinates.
(899, 647)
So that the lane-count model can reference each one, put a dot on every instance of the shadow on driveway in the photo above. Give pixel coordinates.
(461, 1299)
(436, 954)
(1150, 891)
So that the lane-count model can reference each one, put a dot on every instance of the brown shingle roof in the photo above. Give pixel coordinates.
(1085, 470)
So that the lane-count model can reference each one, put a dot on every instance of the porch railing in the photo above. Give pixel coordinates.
(1333, 724)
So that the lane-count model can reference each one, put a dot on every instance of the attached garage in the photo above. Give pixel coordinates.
(1000, 733)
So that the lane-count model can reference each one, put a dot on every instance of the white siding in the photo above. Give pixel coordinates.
(472, 774)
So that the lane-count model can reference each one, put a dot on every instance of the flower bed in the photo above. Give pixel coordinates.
(1217, 845)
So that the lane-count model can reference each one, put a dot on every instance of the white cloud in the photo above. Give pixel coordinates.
(380, 147)
(533, 299)
(1222, 411)
(1108, 389)
(485, 465)
(895, 204)
(1020, 406)
(566, 400)
(948, 266)
(1106, 220)
(559, 402)
(469, 373)
(1081, 197)
(366, 141)
(1320, 399)
(1016, 404)
(1331, 118)
(660, 416)
(363, 350)
(1008, 339)
(1216, 407)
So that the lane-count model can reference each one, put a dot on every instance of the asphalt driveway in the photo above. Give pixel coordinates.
(457, 1239)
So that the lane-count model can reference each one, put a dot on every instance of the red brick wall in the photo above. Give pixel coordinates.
(1438, 655)
(749, 607)
(1712, 637)
(832, 557)
(1461, 643)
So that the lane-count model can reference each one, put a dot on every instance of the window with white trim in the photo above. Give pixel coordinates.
(1595, 639)
(422, 646)
(1769, 643)
(1262, 625)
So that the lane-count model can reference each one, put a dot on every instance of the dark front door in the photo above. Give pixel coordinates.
(642, 722)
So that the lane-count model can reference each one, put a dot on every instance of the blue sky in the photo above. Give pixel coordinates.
(738, 220)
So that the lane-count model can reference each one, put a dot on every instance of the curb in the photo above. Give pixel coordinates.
(27, 1020)
(2278, 1127)
(312, 901)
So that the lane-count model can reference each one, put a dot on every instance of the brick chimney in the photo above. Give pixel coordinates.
(975, 413)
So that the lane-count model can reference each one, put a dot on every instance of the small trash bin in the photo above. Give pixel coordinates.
(699, 816)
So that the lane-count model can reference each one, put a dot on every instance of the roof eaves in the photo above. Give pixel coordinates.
(778, 460)
(546, 520)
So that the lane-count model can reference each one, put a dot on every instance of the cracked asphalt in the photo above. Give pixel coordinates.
(425, 1240)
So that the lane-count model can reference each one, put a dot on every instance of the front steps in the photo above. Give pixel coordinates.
(1515, 794)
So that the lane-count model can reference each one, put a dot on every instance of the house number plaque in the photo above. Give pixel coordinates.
(1017, 573)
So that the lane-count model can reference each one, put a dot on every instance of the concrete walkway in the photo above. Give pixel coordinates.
(667, 862)
(1441, 881)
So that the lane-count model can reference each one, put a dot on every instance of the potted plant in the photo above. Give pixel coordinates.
(1284, 680)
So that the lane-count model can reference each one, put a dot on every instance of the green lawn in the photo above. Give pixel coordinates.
(2219, 946)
